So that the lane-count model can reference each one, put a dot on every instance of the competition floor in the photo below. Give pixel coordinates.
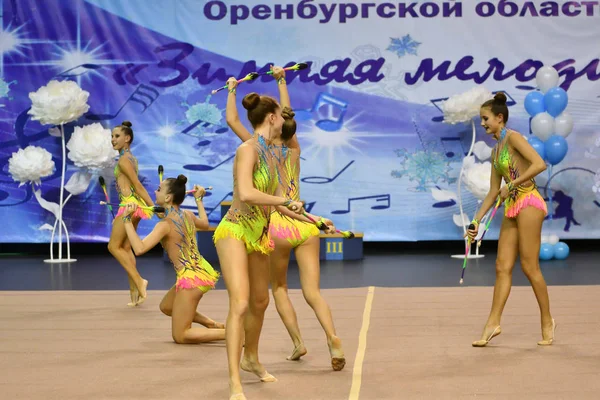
(406, 325)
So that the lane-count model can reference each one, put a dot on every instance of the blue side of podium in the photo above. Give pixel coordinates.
(333, 247)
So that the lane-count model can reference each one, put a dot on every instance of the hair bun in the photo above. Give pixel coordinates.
(500, 98)
(182, 179)
(251, 101)
(126, 123)
(287, 113)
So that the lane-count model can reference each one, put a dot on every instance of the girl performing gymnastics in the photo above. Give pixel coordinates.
(243, 241)
(300, 235)
(195, 276)
(524, 210)
(130, 190)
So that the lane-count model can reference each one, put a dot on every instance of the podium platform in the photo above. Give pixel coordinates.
(333, 247)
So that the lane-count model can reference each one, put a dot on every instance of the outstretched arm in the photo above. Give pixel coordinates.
(138, 245)
(127, 166)
(231, 113)
(284, 97)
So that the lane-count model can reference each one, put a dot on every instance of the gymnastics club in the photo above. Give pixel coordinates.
(103, 185)
(296, 67)
(250, 77)
(471, 227)
(487, 226)
(154, 209)
(192, 191)
(322, 226)
(161, 170)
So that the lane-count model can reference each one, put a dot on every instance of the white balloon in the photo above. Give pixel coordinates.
(553, 239)
(542, 126)
(545, 239)
(563, 124)
(546, 78)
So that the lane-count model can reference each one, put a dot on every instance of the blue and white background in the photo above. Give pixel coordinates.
(374, 145)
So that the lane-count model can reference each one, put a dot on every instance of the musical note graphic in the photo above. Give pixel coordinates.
(204, 124)
(596, 203)
(509, 103)
(323, 179)
(458, 149)
(329, 125)
(203, 167)
(3, 195)
(378, 197)
(309, 206)
(143, 94)
(86, 68)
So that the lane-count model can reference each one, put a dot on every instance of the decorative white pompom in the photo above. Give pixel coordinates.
(476, 177)
(58, 103)
(465, 106)
(30, 165)
(90, 147)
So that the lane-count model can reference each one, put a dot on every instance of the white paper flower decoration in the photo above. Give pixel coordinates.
(465, 106)
(477, 177)
(30, 165)
(482, 151)
(90, 147)
(58, 103)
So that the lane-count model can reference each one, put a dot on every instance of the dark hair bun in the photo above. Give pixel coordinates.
(182, 179)
(251, 101)
(126, 123)
(500, 98)
(287, 113)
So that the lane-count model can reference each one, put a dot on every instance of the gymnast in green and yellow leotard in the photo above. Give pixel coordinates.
(176, 232)
(243, 241)
(291, 233)
(517, 162)
(130, 191)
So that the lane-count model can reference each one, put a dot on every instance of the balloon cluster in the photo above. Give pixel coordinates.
(552, 248)
(550, 123)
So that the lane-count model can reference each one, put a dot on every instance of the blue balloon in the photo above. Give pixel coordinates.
(546, 252)
(538, 145)
(561, 251)
(555, 101)
(556, 149)
(534, 103)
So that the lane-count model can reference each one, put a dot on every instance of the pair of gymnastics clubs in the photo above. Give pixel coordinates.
(103, 185)
(253, 75)
(154, 209)
(322, 226)
(161, 171)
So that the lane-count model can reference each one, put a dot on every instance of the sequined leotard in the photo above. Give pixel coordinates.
(193, 271)
(245, 222)
(509, 165)
(132, 197)
(288, 167)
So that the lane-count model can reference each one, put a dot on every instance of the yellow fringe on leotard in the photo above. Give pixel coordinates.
(140, 212)
(294, 231)
(251, 234)
(202, 277)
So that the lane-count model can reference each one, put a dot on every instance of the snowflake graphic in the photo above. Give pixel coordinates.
(207, 114)
(403, 46)
(5, 89)
(426, 167)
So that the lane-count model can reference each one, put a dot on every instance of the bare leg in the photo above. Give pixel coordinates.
(258, 272)
(279, 260)
(234, 266)
(530, 222)
(508, 245)
(184, 309)
(307, 255)
(118, 247)
(166, 307)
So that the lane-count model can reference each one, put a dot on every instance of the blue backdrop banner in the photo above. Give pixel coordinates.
(378, 157)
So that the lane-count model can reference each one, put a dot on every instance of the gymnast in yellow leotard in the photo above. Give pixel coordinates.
(515, 161)
(132, 191)
(301, 236)
(176, 232)
(243, 240)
